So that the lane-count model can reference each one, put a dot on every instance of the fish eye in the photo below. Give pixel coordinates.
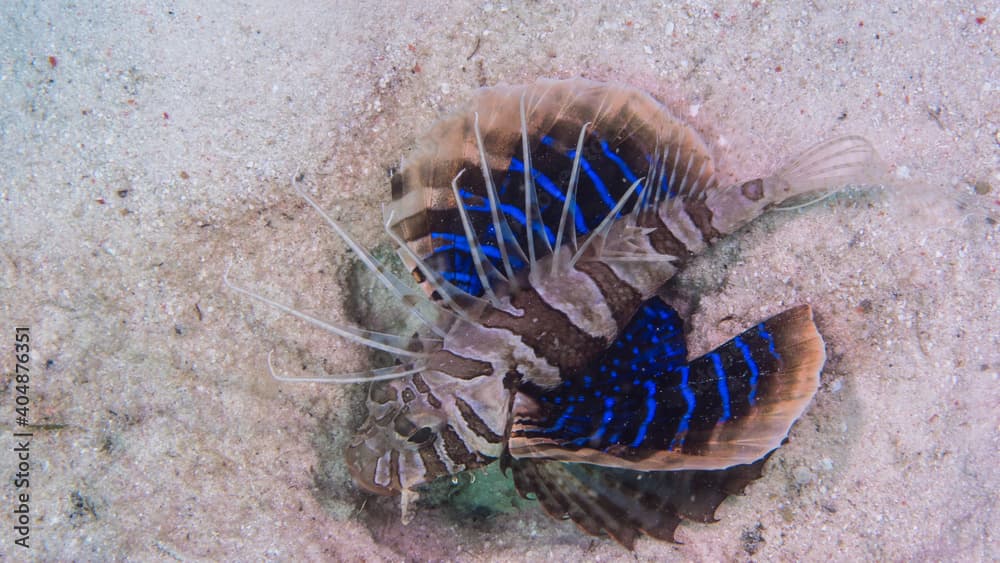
(421, 436)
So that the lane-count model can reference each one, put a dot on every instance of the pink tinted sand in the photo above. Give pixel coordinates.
(146, 146)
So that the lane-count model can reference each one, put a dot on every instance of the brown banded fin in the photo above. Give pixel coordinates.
(624, 504)
(643, 407)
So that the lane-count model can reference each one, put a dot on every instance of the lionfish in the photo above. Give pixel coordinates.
(540, 223)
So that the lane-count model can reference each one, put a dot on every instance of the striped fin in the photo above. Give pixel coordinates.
(624, 504)
(643, 408)
(576, 150)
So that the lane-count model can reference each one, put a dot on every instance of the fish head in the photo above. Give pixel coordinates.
(389, 451)
(410, 437)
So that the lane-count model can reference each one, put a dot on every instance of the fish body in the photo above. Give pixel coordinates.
(541, 222)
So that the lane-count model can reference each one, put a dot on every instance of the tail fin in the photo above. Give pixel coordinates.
(729, 407)
(827, 166)
(622, 503)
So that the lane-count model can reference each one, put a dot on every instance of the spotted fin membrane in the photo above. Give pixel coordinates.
(542, 223)
(645, 407)
(642, 405)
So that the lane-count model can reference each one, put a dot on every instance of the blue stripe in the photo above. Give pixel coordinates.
(769, 339)
(460, 243)
(561, 422)
(754, 370)
(549, 186)
(723, 387)
(606, 419)
(511, 211)
(602, 190)
(619, 162)
(685, 422)
(650, 413)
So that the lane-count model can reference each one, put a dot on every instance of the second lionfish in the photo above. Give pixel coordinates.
(541, 222)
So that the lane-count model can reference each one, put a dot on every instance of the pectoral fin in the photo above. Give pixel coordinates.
(642, 408)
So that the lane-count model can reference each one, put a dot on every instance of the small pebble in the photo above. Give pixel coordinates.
(802, 475)
(786, 514)
(903, 172)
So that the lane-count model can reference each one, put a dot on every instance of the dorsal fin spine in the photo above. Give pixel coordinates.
(570, 203)
(491, 192)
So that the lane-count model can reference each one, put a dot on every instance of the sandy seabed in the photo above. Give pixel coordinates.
(147, 145)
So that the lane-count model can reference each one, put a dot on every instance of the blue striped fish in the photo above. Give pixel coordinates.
(541, 224)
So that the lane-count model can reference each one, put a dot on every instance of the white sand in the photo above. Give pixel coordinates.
(156, 145)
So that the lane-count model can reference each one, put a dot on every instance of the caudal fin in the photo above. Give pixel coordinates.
(831, 164)
(642, 411)
(819, 170)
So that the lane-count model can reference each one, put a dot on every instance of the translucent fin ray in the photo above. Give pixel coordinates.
(415, 300)
(491, 192)
(457, 302)
(484, 268)
(390, 343)
(602, 230)
(532, 214)
(832, 163)
(367, 376)
(569, 204)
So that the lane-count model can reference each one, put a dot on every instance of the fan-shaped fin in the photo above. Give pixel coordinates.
(643, 408)
(826, 166)
(547, 165)
(623, 503)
